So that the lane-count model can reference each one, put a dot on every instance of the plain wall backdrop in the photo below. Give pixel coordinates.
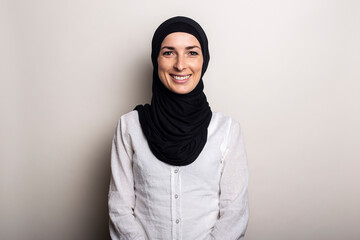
(289, 71)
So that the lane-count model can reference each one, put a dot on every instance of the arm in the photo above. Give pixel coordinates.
(234, 209)
(123, 224)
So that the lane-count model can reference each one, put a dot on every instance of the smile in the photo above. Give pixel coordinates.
(180, 78)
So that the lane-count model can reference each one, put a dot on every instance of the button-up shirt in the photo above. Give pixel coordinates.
(207, 199)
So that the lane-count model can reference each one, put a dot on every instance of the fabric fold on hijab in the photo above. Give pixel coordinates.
(175, 125)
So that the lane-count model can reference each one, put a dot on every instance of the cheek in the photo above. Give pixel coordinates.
(162, 66)
(160, 70)
(198, 67)
(161, 74)
(199, 64)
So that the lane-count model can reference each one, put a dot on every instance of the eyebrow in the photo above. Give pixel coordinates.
(187, 48)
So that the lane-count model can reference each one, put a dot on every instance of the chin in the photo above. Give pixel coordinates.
(181, 90)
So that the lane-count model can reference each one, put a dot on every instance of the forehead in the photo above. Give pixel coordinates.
(180, 39)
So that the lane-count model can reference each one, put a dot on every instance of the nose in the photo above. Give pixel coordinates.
(180, 63)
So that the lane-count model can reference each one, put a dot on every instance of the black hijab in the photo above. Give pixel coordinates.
(175, 125)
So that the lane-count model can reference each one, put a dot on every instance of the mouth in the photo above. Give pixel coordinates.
(180, 78)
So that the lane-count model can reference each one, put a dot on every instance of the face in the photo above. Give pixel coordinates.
(180, 62)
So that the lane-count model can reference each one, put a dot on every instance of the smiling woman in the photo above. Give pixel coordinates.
(180, 62)
(179, 170)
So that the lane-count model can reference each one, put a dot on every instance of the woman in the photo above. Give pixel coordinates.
(179, 171)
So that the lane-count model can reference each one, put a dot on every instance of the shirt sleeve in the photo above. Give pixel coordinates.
(234, 208)
(123, 224)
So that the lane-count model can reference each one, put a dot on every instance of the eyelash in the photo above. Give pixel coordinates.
(167, 53)
(192, 53)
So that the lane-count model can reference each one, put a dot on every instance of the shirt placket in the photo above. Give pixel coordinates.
(176, 203)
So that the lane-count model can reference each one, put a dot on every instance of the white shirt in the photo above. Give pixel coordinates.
(207, 199)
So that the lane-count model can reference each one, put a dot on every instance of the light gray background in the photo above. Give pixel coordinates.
(289, 71)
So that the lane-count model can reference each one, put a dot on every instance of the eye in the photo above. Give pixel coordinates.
(193, 53)
(167, 53)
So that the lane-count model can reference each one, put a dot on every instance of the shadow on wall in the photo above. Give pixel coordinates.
(139, 91)
(93, 202)
(102, 180)
(95, 199)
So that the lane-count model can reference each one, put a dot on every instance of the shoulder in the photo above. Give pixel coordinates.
(130, 117)
(230, 127)
(221, 119)
(128, 127)
(223, 127)
(129, 122)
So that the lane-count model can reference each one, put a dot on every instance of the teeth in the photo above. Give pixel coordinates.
(181, 78)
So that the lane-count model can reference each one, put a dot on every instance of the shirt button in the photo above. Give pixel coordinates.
(177, 221)
(176, 170)
(176, 196)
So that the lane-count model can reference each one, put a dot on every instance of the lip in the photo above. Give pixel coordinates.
(180, 80)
